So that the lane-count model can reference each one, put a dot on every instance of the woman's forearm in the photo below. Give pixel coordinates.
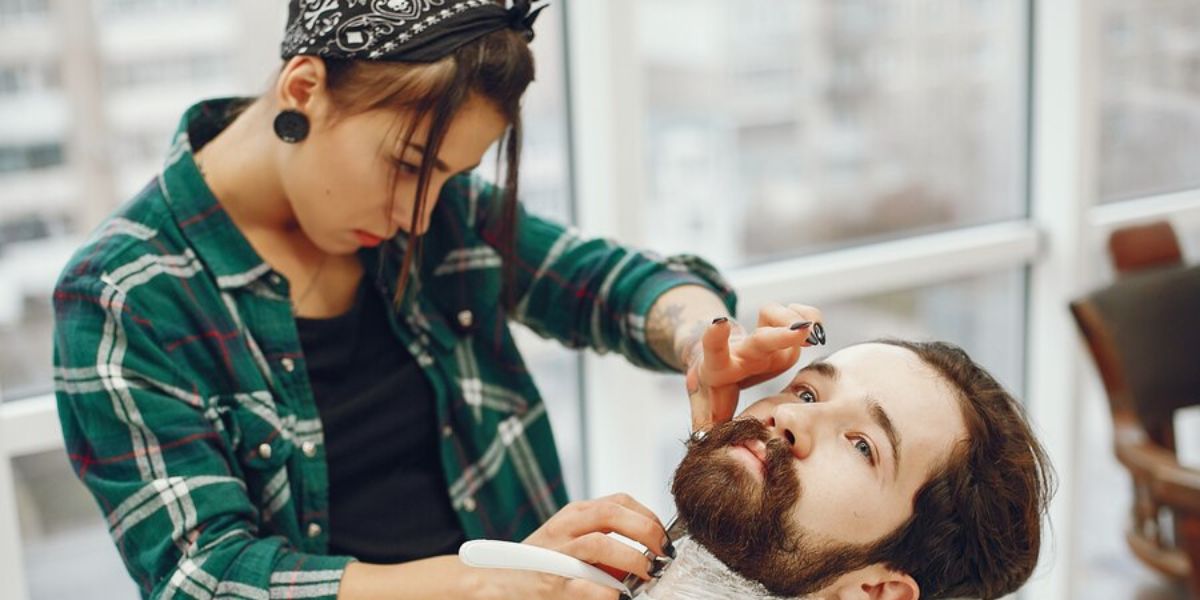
(677, 321)
(439, 577)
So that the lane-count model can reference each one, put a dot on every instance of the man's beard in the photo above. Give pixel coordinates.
(747, 524)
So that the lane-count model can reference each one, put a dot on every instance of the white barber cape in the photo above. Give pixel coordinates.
(695, 574)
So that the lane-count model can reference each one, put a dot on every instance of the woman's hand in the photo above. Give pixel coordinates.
(580, 529)
(728, 360)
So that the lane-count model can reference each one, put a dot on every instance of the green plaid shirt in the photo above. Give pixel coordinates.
(185, 402)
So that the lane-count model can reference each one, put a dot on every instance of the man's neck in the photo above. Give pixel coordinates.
(695, 574)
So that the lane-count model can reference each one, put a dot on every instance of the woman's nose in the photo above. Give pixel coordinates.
(790, 422)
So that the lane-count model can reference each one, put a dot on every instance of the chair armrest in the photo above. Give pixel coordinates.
(1168, 482)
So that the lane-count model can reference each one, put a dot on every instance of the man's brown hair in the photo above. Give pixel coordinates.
(976, 524)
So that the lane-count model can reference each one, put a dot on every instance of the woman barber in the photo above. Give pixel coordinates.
(284, 368)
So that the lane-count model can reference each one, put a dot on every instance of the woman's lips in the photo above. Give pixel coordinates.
(366, 239)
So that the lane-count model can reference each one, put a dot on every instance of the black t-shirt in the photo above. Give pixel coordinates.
(388, 498)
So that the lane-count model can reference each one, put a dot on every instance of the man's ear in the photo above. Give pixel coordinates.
(882, 583)
(875, 582)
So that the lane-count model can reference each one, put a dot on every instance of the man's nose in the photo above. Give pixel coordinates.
(794, 423)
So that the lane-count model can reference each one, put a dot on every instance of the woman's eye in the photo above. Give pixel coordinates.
(865, 449)
(806, 396)
(408, 168)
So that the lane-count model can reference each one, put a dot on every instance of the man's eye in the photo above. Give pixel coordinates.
(806, 396)
(865, 449)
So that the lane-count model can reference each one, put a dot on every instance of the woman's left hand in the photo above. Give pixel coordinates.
(728, 360)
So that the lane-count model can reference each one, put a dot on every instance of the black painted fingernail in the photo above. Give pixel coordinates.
(798, 325)
(719, 320)
(625, 596)
(820, 329)
(657, 565)
(669, 548)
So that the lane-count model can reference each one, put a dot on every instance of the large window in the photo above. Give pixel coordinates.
(1150, 98)
(775, 128)
(905, 165)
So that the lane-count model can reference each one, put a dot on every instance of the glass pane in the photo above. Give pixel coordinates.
(85, 125)
(826, 122)
(68, 551)
(984, 314)
(1150, 97)
(546, 191)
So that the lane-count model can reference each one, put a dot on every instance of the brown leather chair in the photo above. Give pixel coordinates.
(1143, 332)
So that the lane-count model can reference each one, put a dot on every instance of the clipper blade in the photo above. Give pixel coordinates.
(676, 530)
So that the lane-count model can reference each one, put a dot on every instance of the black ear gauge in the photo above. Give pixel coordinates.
(291, 126)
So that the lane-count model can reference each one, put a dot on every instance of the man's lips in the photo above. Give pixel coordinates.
(753, 453)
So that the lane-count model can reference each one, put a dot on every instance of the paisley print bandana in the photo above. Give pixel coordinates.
(398, 30)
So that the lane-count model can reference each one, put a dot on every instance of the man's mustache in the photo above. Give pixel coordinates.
(777, 465)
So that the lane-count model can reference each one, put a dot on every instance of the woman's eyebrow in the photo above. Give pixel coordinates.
(441, 166)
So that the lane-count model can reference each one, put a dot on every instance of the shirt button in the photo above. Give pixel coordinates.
(309, 449)
(264, 451)
(447, 431)
(469, 505)
(314, 530)
(466, 318)
(289, 365)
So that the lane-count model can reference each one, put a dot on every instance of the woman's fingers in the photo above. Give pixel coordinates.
(715, 344)
(609, 515)
(766, 341)
(778, 315)
(806, 313)
(598, 548)
(629, 502)
(718, 407)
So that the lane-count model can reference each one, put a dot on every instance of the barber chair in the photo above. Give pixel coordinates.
(1143, 332)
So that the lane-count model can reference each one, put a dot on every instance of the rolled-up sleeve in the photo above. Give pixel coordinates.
(148, 448)
(591, 292)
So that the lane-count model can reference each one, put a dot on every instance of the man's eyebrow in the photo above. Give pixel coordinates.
(441, 166)
(822, 368)
(884, 422)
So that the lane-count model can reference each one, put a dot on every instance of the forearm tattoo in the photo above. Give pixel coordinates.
(665, 338)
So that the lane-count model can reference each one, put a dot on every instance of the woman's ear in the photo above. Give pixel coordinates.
(302, 87)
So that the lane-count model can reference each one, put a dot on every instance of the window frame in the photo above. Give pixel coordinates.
(1055, 242)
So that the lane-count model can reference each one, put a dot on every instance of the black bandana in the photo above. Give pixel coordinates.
(397, 30)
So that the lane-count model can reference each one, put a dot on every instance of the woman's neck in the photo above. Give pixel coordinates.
(695, 574)
(239, 165)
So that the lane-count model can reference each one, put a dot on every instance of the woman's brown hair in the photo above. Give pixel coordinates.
(497, 68)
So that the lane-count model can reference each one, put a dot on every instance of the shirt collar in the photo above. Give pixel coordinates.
(219, 244)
